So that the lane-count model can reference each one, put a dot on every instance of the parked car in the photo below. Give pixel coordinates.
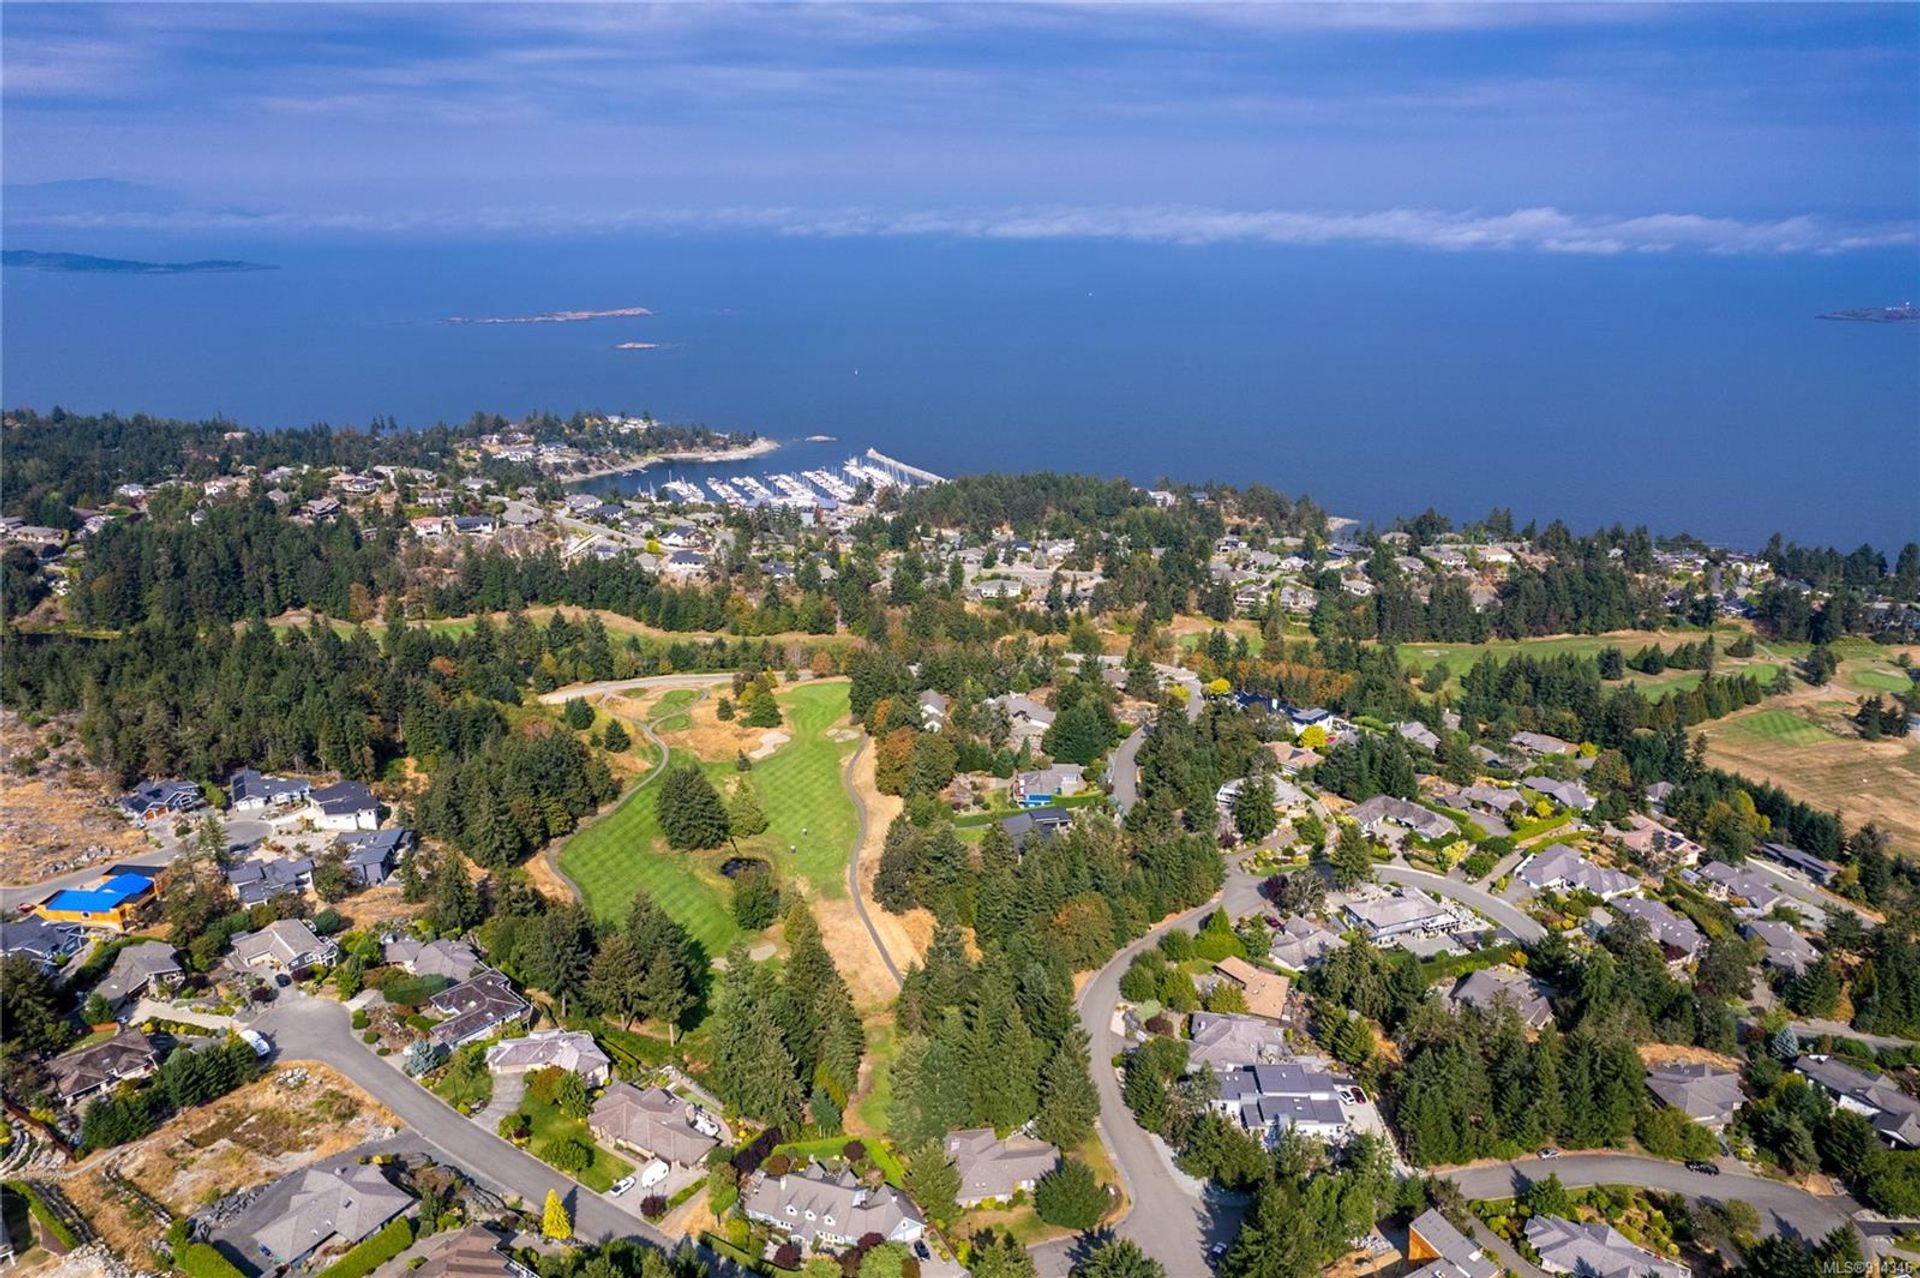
(1549, 1152)
(921, 1249)
(620, 1187)
(1705, 1169)
(262, 1045)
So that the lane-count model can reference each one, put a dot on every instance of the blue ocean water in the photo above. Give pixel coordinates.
(1685, 392)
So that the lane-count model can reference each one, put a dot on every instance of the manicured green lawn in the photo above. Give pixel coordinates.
(1777, 725)
(674, 723)
(1870, 679)
(550, 1126)
(807, 809)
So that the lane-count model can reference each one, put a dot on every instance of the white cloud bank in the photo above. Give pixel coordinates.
(1539, 230)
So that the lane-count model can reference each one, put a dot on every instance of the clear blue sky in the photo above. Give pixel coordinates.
(1551, 128)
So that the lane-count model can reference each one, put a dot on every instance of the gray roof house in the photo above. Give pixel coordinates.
(1418, 733)
(151, 800)
(1541, 743)
(1226, 1041)
(1787, 950)
(372, 855)
(1568, 794)
(251, 791)
(563, 1049)
(476, 1008)
(87, 1071)
(1595, 1251)
(1373, 815)
(1300, 943)
(1407, 912)
(1893, 1113)
(655, 1122)
(45, 942)
(260, 879)
(1561, 869)
(343, 1204)
(1297, 1094)
(1737, 883)
(345, 805)
(1491, 986)
(933, 709)
(455, 960)
(1675, 933)
(991, 1168)
(283, 945)
(135, 969)
(1449, 1253)
(815, 1206)
(1705, 1093)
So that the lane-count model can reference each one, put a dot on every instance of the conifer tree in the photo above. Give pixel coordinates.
(1068, 1101)
(691, 815)
(554, 1221)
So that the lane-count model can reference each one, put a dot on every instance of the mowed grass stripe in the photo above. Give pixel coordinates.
(807, 807)
(624, 852)
(1777, 725)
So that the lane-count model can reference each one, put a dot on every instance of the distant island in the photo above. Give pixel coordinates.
(86, 263)
(555, 317)
(636, 346)
(1905, 313)
(818, 439)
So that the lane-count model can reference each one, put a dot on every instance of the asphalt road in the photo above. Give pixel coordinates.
(1515, 920)
(1169, 1223)
(1781, 1206)
(311, 1029)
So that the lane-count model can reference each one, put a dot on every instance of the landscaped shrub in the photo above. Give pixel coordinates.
(515, 1126)
(854, 1151)
(787, 1256)
(371, 1253)
(779, 1165)
(204, 1260)
(360, 1018)
(653, 1206)
(567, 1154)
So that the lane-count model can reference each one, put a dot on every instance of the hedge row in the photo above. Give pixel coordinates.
(44, 1214)
(371, 1253)
(204, 1260)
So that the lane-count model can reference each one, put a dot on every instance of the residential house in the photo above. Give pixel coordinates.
(1595, 1251)
(46, 943)
(1419, 734)
(1027, 719)
(152, 801)
(1041, 825)
(1374, 815)
(655, 1124)
(1491, 987)
(143, 967)
(1265, 992)
(1748, 890)
(1568, 794)
(816, 1207)
(473, 1252)
(250, 791)
(1705, 1093)
(995, 1169)
(430, 526)
(335, 1206)
(1674, 932)
(89, 1071)
(286, 945)
(111, 902)
(563, 1049)
(346, 805)
(1893, 1113)
(1803, 863)
(476, 1008)
(1659, 846)
(373, 855)
(1559, 868)
(1300, 943)
(1042, 788)
(1540, 743)
(455, 960)
(1286, 795)
(1225, 1041)
(933, 709)
(1407, 912)
(1269, 1099)
(1786, 950)
(260, 879)
(1293, 758)
(1445, 1252)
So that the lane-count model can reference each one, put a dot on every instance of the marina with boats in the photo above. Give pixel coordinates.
(856, 478)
